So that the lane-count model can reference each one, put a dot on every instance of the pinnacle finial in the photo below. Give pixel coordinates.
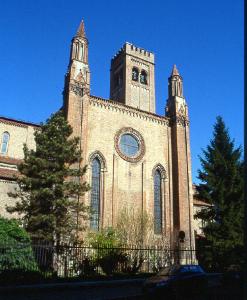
(174, 71)
(81, 30)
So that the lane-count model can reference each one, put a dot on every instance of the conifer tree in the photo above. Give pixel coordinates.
(221, 177)
(51, 184)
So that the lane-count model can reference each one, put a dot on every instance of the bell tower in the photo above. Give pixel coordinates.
(177, 111)
(132, 78)
(77, 78)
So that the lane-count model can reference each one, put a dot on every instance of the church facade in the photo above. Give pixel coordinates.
(136, 159)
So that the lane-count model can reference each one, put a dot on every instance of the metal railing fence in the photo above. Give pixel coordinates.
(72, 261)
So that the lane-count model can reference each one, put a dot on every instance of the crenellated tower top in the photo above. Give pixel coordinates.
(132, 77)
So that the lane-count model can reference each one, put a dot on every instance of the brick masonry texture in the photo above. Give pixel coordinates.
(123, 183)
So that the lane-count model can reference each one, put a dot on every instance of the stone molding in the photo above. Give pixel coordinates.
(8, 166)
(97, 154)
(143, 86)
(140, 140)
(18, 123)
(8, 174)
(10, 160)
(180, 120)
(125, 109)
(8, 181)
(161, 169)
(139, 63)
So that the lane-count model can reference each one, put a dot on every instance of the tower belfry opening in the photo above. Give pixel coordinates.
(132, 78)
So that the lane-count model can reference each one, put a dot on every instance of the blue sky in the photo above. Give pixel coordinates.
(203, 38)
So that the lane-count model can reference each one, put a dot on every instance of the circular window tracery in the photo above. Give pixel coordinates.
(129, 144)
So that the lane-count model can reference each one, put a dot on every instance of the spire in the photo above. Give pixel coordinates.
(175, 83)
(81, 30)
(174, 71)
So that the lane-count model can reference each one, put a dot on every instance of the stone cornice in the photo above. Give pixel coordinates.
(17, 123)
(135, 112)
(8, 174)
(8, 180)
(179, 120)
(197, 202)
(9, 160)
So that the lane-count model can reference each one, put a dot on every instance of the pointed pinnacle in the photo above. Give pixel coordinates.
(174, 71)
(81, 30)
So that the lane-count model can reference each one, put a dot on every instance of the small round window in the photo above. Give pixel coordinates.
(129, 145)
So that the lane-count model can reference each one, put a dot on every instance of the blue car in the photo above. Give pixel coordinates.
(177, 282)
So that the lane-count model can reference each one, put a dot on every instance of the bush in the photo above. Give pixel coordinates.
(87, 267)
(15, 247)
(106, 238)
(113, 261)
(107, 253)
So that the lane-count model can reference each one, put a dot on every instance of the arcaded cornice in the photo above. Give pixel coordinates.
(8, 174)
(135, 112)
(9, 160)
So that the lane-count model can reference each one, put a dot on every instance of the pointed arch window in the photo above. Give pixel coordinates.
(157, 203)
(5, 142)
(135, 74)
(95, 194)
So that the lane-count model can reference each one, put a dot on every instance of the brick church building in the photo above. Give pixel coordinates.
(136, 159)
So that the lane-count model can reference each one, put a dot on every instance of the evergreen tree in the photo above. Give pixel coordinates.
(222, 186)
(51, 184)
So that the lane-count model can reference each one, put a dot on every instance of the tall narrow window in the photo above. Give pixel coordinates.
(144, 77)
(95, 195)
(81, 52)
(157, 203)
(77, 51)
(5, 142)
(135, 74)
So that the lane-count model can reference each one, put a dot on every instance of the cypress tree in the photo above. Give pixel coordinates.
(51, 184)
(221, 177)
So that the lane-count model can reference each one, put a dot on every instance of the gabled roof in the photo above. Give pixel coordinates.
(19, 123)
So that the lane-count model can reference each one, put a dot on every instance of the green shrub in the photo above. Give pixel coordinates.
(113, 261)
(15, 247)
(87, 267)
(107, 250)
(106, 238)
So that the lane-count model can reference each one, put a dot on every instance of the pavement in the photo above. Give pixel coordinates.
(128, 289)
(125, 289)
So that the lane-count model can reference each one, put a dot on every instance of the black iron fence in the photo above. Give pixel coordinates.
(73, 261)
